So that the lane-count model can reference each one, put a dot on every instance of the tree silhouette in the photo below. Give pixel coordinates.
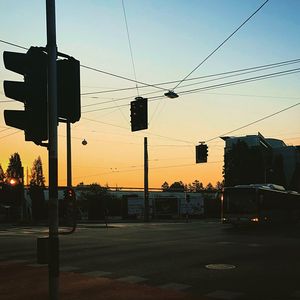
(209, 187)
(219, 185)
(37, 177)
(195, 186)
(177, 186)
(96, 199)
(165, 187)
(2, 174)
(15, 169)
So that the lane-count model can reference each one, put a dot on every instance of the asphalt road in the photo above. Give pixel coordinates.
(253, 263)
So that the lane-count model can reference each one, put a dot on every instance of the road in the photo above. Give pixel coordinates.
(256, 263)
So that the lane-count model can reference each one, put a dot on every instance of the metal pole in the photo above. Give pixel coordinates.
(53, 259)
(69, 156)
(146, 192)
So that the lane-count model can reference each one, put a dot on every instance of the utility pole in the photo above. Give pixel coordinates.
(53, 250)
(69, 155)
(146, 192)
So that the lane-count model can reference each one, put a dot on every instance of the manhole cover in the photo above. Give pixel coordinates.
(219, 267)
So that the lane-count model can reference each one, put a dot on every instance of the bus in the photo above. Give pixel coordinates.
(259, 203)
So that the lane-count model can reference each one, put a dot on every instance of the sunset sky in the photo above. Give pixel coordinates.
(169, 38)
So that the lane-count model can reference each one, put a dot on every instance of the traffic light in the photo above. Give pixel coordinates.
(139, 114)
(32, 92)
(201, 153)
(69, 194)
(68, 86)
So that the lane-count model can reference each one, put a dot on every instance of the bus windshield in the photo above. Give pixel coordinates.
(240, 201)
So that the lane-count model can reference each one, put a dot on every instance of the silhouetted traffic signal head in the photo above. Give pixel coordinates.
(32, 92)
(139, 114)
(68, 87)
(201, 153)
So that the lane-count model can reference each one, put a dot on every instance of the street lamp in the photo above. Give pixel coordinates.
(13, 181)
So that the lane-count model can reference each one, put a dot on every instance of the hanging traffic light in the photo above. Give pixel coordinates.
(139, 114)
(68, 86)
(201, 153)
(32, 92)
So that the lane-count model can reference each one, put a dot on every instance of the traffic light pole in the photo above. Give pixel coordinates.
(53, 262)
(69, 155)
(146, 192)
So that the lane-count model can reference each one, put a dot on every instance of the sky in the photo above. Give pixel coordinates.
(168, 40)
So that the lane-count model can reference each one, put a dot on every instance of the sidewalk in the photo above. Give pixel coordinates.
(25, 282)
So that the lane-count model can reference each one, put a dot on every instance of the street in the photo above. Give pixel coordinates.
(247, 263)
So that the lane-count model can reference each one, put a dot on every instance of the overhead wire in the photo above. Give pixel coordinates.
(130, 47)
(122, 77)
(2, 137)
(231, 131)
(210, 87)
(254, 122)
(241, 72)
(12, 44)
(97, 70)
(241, 81)
(216, 49)
(282, 63)
(195, 90)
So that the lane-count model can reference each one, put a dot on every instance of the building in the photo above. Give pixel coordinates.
(256, 159)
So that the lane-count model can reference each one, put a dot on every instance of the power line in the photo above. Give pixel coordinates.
(141, 169)
(151, 134)
(254, 122)
(130, 48)
(207, 57)
(240, 81)
(2, 137)
(239, 128)
(12, 44)
(98, 70)
(241, 72)
(235, 75)
(210, 87)
(122, 77)
(267, 66)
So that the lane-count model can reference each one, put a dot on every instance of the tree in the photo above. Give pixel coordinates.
(2, 174)
(165, 187)
(196, 186)
(15, 169)
(209, 187)
(96, 200)
(219, 185)
(177, 186)
(37, 177)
